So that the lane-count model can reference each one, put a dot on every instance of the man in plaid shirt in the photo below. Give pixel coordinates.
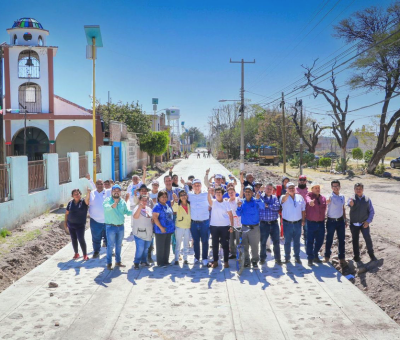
(269, 224)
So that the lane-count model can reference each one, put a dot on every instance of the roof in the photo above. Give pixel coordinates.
(71, 103)
(27, 22)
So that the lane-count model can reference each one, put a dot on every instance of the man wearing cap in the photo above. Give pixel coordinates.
(200, 223)
(134, 186)
(249, 211)
(302, 190)
(269, 224)
(96, 212)
(218, 180)
(248, 181)
(115, 210)
(336, 221)
(281, 190)
(315, 214)
(361, 215)
(294, 216)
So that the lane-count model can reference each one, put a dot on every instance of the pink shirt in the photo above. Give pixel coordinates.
(317, 212)
(302, 192)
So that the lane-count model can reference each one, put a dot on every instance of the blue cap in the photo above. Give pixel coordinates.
(116, 186)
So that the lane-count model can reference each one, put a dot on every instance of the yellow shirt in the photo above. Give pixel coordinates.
(183, 219)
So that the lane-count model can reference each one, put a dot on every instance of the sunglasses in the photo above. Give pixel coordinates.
(302, 180)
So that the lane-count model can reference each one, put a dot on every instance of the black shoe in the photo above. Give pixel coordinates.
(231, 257)
(310, 263)
(298, 260)
(136, 266)
(145, 264)
(357, 259)
(185, 262)
(287, 261)
(255, 265)
(269, 250)
(278, 262)
(317, 260)
(176, 263)
(109, 266)
(247, 265)
(373, 258)
(95, 255)
(262, 262)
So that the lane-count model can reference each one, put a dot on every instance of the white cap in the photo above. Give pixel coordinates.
(196, 180)
(155, 182)
(290, 184)
(218, 176)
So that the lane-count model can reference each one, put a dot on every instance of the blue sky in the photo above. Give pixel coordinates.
(179, 51)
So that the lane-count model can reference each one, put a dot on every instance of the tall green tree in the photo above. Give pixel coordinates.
(377, 69)
(155, 144)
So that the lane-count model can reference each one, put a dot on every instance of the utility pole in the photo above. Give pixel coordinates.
(283, 132)
(300, 103)
(2, 110)
(242, 111)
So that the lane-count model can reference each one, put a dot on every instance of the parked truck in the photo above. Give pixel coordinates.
(268, 155)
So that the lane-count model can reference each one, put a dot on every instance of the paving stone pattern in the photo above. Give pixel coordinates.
(187, 302)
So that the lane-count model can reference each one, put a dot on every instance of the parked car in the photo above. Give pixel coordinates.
(395, 163)
(331, 155)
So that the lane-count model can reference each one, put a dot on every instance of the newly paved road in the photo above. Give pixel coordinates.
(276, 302)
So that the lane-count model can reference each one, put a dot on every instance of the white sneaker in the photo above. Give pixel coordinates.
(205, 262)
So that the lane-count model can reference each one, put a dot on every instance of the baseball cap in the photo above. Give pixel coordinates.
(190, 177)
(290, 184)
(218, 176)
(116, 186)
(302, 177)
(196, 181)
(315, 184)
(155, 182)
(249, 187)
(143, 186)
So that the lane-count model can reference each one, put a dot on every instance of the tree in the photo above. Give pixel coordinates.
(367, 156)
(155, 144)
(378, 68)
(310, 138)
(357, 154)
(325, 162)
(339, 129)
(196, 136)
(129, 113)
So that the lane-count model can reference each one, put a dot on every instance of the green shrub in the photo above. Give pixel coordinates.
(380, 169)
(4, 233)
(325, 162)
(368, 155)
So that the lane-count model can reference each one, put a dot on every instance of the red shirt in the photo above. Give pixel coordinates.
(302, 192)
(317, 212)
(185, 207)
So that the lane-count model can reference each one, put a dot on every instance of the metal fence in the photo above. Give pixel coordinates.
(98, 164)
(64, 170)
(83, 166)
(37, 175)
(5, 192)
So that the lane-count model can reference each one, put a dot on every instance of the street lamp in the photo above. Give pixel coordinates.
(93, 37)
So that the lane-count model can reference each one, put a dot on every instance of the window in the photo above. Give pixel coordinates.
(40, 41)
(28, 65)
(30, 95)
(15, 39)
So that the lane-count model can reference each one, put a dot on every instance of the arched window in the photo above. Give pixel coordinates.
(40, 41)
(15, 39)
(28, 65)
(30, 97)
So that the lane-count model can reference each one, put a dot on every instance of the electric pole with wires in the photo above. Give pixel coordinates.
(300, 103)
(283, 133)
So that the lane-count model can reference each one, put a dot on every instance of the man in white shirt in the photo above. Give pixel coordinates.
(294, 217)
(200, 224)
(96, 212)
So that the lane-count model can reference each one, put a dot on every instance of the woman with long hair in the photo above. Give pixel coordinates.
(181, 206)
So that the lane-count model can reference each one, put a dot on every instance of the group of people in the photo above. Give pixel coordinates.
(186, 211)
(206, 154)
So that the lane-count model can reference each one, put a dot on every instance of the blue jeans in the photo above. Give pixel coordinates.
(200, 231)
(142, 248)
(315, 238)
(115, 236)
(340, 228)
(266, 230)
(292, 231)
(305, 233)
(97, 230)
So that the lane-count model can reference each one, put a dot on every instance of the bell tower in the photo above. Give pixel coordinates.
(28, 68)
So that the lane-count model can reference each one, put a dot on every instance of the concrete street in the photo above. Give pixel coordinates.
(193, 302)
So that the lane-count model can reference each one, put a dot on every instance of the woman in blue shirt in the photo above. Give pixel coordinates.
(164, 227)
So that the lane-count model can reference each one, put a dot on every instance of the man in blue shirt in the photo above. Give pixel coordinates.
(269, 224)
(249, 211)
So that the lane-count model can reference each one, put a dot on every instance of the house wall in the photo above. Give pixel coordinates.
(24, 206)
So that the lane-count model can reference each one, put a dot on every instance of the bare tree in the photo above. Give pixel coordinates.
(378, 69)
(339, 113)
(313, 135)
